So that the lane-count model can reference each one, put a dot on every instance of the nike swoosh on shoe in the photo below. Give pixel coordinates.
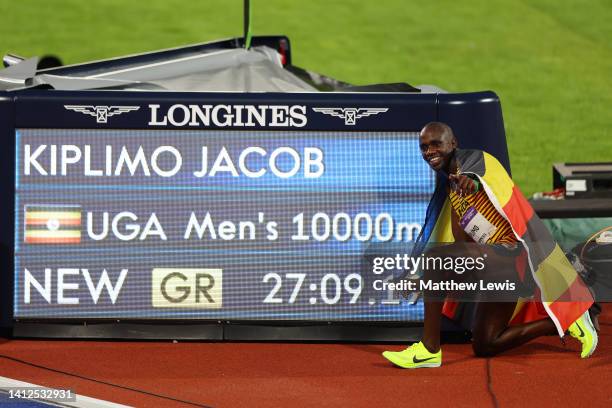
(581, 332)
(418, 360)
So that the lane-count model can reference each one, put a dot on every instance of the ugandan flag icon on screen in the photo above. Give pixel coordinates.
(52, 224)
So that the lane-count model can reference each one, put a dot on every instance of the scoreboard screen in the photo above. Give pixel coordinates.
(213, 224)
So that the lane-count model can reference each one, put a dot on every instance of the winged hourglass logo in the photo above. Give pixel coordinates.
(350, 115)
(101, 112)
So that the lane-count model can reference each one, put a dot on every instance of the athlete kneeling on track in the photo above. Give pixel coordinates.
(473, 189)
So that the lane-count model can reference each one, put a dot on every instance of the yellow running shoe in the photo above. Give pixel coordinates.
(415, 356)
(583, 330)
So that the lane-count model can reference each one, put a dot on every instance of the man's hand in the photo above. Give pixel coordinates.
(462, 184)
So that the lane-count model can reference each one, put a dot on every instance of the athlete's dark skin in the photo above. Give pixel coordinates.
(491, 334)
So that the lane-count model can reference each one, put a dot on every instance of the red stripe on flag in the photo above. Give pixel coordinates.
(449, 309)
(576, 300)
(568, 312)
(519, 211)
(42, 221)
(530, 312)
(54, 240)
(576, 292)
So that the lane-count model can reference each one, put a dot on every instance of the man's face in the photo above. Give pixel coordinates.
(437, 148)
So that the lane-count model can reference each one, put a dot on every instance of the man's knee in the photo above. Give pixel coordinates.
(484, 343)
(484, 348)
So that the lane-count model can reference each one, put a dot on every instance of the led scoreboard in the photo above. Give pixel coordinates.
(215, 207)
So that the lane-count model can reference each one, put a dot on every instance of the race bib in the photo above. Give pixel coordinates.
(477, 226)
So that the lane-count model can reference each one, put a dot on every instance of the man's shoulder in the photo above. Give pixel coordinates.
(477, 161)
(472, 153)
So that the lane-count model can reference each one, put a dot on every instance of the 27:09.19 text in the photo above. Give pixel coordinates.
(330, 287)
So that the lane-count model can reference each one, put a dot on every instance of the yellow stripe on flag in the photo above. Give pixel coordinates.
(497, 179)
(443, 231)
(555, 275)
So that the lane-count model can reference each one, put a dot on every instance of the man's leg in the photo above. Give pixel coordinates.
(492, 335)
(432, 324)
(426, 353)
(434, 300)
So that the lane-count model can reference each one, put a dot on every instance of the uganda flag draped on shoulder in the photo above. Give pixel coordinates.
(561, 293)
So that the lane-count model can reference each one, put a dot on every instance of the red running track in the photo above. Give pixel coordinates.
(542, 373)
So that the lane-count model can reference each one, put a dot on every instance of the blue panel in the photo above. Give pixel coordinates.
(113, 223)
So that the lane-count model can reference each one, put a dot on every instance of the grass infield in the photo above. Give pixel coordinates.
(549, 61)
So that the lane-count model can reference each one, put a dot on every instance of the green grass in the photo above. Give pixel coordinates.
(549, 61)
